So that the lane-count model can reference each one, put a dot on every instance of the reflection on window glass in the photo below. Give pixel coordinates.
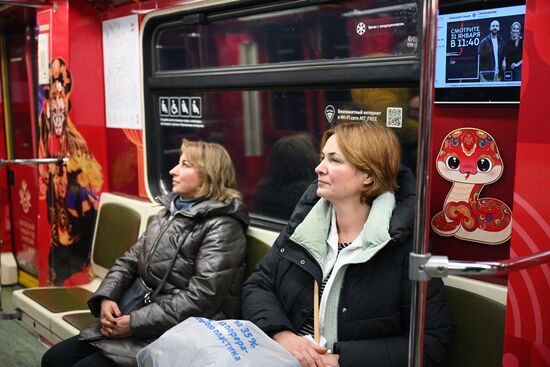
(342, 30)
(273, 137)
(289, 171)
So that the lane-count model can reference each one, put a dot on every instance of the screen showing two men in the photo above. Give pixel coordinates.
(480, 48)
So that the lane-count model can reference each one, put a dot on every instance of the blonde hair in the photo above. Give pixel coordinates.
(516, 43)
(215, 168)
(371, 148)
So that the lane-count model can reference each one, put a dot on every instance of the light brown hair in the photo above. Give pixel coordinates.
(371, 148)
(215, 168)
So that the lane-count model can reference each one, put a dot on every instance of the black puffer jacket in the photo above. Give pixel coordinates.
(206, 279)
(374, 304)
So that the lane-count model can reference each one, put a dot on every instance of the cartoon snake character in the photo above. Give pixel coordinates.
(469, 158)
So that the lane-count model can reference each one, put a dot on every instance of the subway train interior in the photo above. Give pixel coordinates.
(97, 95)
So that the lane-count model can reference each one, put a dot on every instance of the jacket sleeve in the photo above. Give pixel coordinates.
(217, 263)
(261, 304)
(393, 351)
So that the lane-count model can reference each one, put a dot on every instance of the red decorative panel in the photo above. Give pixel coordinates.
(527, 341)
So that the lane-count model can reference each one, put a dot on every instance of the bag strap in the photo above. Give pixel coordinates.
(172, 262)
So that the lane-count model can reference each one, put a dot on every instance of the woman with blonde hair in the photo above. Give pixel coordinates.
(513, 53)
(350, 234)
(202, 226)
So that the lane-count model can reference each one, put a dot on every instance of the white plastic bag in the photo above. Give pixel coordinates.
(200, 342)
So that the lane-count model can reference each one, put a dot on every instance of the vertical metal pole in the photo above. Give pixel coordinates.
(7, 118)
(418, 298)
(6, 95)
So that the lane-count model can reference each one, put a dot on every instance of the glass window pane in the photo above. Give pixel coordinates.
(273, 136)
(350, 29)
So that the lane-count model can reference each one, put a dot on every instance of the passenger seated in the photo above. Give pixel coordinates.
(354, 241)
(289, 172)
(205, 280)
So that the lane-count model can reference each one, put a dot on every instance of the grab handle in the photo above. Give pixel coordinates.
(59, 160)
(424, 267)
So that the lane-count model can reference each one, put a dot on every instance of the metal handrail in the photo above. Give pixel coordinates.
(419, 289)
(58, 160)
(424, 267)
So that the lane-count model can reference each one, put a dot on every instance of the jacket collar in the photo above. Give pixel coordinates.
(314, 230)
(234, 208)
(402, 221)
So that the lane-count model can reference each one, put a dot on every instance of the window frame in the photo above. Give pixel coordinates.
(384, 71)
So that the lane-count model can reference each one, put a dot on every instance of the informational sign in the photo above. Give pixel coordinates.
(121, 65)
(348, 114)
(43, 58)
(393, 115)
(180, 111)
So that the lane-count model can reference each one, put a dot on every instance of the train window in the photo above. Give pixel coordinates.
(265, 79)
(348, 29)
(273, 136)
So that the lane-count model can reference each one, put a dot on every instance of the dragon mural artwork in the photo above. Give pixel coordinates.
(70, 189)
(470, 159)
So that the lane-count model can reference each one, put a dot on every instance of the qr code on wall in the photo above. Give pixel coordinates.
(394, 117)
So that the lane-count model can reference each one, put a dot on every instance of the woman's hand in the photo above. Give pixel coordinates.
(309, 354)
(330, 360)
(108, 317)
(122, 327)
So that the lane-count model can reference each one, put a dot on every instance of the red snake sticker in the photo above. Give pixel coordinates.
(469, 158)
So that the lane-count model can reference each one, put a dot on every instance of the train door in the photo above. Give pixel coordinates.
(20, 216)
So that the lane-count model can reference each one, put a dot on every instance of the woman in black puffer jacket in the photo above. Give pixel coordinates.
(352, 235)
(206, 278)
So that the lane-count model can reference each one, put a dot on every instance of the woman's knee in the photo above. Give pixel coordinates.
(53, 357)
(67, 352)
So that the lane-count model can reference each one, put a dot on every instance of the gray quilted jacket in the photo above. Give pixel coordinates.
(206, 279)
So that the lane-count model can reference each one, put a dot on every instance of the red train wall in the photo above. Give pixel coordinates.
(527, 333)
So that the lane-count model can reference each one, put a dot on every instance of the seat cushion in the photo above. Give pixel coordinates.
(256, 249)
(80, 320)
(479, 329)
(117, 230)
(60, 299)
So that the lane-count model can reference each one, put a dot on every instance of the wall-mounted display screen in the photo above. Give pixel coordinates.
(479, 54)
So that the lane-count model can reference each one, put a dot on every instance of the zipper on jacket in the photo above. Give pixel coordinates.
(340, 313)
